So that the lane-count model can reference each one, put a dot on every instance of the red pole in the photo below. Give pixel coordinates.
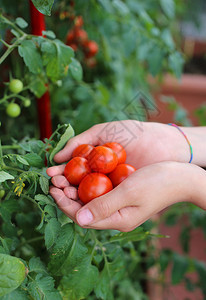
(43, 103)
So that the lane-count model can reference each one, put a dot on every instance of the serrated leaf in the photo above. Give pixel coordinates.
(31, 56)
(44, 184)
(21, 22)
(44, 6)
(68, 134)
(76, 252)
(102, 287)
(34, 160)
(42, 287)
(51, 211)
(22, 160)
(51, 232)
(5, 176)
(56, 57)
(12, 273)
(76, 286)
(36, 265)
(43, 199)
(75, 69)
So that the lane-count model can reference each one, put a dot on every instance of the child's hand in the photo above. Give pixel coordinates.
(143, 194)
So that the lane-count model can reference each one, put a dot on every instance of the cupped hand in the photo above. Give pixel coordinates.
(143, 194)
(145, 143)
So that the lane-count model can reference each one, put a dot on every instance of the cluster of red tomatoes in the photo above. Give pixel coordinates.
(77, 39)
(97, 170)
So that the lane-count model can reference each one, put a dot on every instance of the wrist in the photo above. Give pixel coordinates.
(197, 138)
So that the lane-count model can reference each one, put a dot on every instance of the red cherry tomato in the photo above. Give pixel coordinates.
(70, 37)
(78, 21)
(119, 150)
(120, 173)
(94, 185)
(91, 48)
(81, 35)
(102, 159)
(82, 150)
(76, 169)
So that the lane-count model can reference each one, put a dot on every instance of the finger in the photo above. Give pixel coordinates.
(67, 205)
(104, 206)
(60, 181)
(71, 192)
(87, 137)
(55, 170)
(125, 220)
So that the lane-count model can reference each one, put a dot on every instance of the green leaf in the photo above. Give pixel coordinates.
(5, 176)
(76, 252)
(81, 281)
(21, 22)
(44, 184)
(75, 69)
(31, 56)
(18, 294)
(50, 34)
(37, 86)
(7, 208)
(176, 63)
(44, 6)
(42, 287)
(155, 60)
(22, 160)
(51, 232)
(56, 57)
(51, 211)
(103, 285)
(179, 268)
(61, 249)
(37, 266)
(136, 235)
(68, 134)
(34, 160)
(43, 199)
(12, 273)
(168, 7)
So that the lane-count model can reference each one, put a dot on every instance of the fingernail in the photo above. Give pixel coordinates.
(85, 217)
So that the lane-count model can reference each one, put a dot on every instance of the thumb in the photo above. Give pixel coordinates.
(102, 207)
(87, 137)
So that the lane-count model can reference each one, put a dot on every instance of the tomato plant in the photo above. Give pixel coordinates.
(102, 159)
(93, 186)
(76, 169)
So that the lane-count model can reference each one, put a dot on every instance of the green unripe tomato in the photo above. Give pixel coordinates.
(27, 102)
(13, 110)
(15, 86)
(2, 193)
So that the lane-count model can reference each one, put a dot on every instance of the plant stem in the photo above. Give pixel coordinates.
(12, 47)
(10, 147)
